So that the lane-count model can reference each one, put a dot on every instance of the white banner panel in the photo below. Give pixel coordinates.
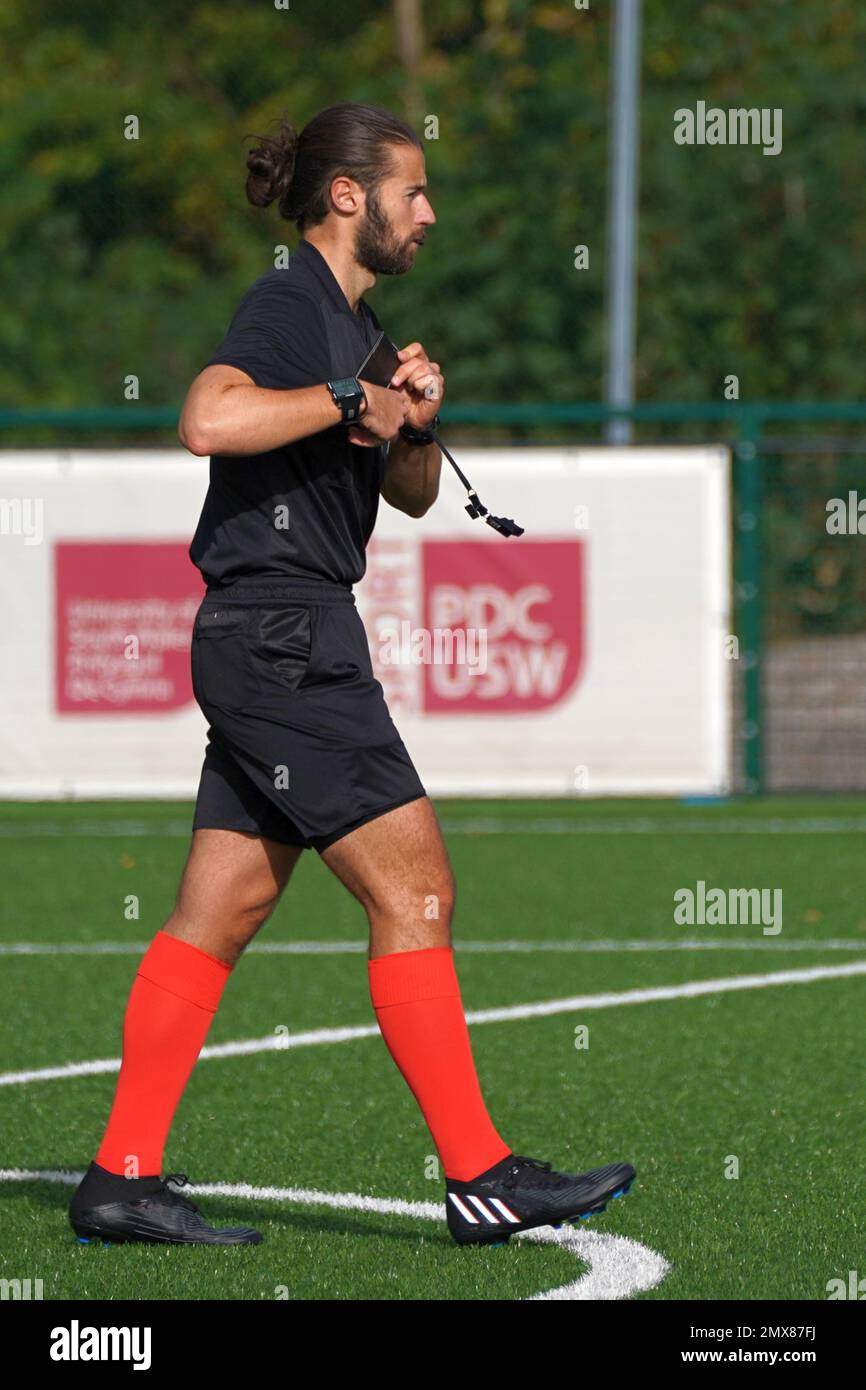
(586, 657)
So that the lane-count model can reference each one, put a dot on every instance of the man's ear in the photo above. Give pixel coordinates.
(347, 188)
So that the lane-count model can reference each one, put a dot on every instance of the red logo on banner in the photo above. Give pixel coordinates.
(519, 605)
(124, 615)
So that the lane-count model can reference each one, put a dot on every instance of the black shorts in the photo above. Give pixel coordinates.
(301, 746)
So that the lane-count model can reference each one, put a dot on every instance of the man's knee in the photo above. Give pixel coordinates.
(442, 900)
(254, 908)
(238, 898)
(425, 900)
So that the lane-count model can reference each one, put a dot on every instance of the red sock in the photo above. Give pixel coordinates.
(416, 996)
(171, 1006)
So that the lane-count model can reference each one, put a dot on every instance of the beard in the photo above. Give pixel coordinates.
(377, 246)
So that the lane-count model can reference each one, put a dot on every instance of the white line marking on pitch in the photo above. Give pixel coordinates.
(711, 824)
(318, 1036)
(618, 1266)
(358, 948)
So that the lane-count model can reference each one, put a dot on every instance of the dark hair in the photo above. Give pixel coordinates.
(296, 170)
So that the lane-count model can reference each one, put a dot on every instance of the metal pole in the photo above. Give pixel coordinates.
(748, 502)
(622, 211)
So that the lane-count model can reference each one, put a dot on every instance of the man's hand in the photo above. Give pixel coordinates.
(417, 382)
(386, 412)
(423, 384)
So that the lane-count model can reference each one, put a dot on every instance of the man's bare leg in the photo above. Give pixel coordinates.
(230, 885)
(397, 867)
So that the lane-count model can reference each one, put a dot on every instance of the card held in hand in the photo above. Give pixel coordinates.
(381, 362)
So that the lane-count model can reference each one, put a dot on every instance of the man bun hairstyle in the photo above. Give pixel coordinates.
(296, 170)
(271, 166)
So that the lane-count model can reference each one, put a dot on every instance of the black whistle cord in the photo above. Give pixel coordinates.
(475, 507)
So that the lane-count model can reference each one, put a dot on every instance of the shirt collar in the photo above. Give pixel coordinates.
(312, 257)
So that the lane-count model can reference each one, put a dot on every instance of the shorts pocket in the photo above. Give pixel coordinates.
(220, 657)
(284, 640)
(345, 650)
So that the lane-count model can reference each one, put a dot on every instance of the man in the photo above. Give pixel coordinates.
(302, 752)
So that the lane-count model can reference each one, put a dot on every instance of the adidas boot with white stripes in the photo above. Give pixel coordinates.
(519, 1193)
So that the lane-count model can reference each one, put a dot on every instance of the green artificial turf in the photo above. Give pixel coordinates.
(771, 1078)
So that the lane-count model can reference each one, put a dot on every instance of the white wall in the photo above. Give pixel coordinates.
(604, 669)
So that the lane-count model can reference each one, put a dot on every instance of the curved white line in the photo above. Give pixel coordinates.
(618, 1266)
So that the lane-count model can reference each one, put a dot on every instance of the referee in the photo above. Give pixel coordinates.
(302, 752)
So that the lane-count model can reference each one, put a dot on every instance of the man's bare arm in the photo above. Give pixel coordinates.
(226, 413)
(411, 478)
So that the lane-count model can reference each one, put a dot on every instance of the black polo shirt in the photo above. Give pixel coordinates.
(307, 509)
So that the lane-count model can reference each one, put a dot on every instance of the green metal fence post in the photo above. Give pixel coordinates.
(748, 479)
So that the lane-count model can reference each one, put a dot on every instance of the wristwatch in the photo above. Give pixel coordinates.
(420, 436)
(349, 395)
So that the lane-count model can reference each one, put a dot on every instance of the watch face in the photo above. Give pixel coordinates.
(345, 386)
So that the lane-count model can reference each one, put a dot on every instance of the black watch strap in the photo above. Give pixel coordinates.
(420, 436)
(348, 393)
